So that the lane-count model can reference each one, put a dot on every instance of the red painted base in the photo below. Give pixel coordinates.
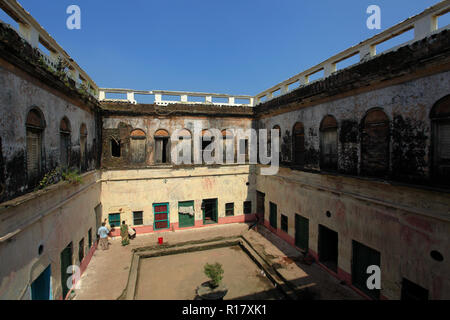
(198, 224)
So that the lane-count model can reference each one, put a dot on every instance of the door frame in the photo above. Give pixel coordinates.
(168, 215)
(297, 239)
(217, 211)
(64, 275)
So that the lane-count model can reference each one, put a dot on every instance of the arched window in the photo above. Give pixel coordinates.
(328, 143)
(440, 120)
(269, 139)
(298, 143)
(375, 141)
(35, 125)
(115, 148)
(138, 141)
(83, 147)
(207, 139)
(64, 145)
(162, 149)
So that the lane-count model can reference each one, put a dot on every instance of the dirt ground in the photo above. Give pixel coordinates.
(107, 274)
(176, 276)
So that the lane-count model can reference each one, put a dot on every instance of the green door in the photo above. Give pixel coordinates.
(161, 216)
(66, 262)
(364, 257)
(301, 232)
(186, 216)
(273, 215)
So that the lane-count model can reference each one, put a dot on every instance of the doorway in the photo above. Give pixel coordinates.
(209, 208)
(328, 247)
(302, 232)
(161, 216)
(363, 257)
(41, 287)
(412, 291)
(66, 262)
(260, 209)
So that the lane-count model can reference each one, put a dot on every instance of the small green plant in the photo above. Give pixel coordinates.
(215, 273)
(51, 177)
(72, 176)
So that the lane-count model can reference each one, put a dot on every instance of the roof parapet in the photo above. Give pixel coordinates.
(31, 31)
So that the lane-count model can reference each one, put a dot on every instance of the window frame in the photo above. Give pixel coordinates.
(228, 209)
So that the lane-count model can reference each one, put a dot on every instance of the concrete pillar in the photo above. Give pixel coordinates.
(130, 97)
(252, 102)
(424, 27)
(231, 100)
(303, 80)
(30, 34)
(75, 75)
(208, 99)
(329, 69)
(284, 89)
(158, 97)
(101, 95)
(184, 98)
(367, 52)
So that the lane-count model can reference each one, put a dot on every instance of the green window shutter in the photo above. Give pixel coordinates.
(185, 218)
(114, 220)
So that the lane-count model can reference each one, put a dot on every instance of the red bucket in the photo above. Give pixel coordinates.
(160, 240)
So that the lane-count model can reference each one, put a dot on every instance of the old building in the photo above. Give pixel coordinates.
(364, 161)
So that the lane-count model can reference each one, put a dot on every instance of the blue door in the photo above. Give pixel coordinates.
(40, 288)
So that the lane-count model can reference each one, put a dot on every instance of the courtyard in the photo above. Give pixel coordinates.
(268, 268)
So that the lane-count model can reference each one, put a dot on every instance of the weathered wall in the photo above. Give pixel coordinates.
(404, 224)
(18, 96)
(125, 191)
(407, 106)
(120, 128)
(53, 217)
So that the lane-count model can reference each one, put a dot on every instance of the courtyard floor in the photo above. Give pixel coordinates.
(107, 274)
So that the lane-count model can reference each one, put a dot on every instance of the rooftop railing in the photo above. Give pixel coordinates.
(163, 97)
(31, 31)
(423, 24)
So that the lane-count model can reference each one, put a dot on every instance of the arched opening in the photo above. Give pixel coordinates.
(440, 123)
(83, 147)
(298, 137)
(64, 145)
(328, 144)
(35, 125)
(375, 142)
(138, 141)
(269, 139)
(162, 149)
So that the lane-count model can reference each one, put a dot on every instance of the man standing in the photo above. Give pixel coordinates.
(103, 233)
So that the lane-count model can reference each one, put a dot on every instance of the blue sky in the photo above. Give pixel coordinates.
(227, 46)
